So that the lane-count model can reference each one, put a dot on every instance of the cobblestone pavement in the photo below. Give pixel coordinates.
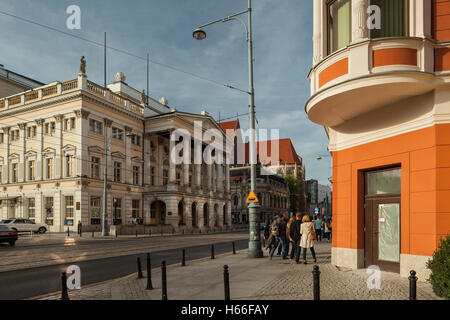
(255, 279)
(58, 249)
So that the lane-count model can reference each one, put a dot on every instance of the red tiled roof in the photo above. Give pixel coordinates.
(287, 153)
(230, 128)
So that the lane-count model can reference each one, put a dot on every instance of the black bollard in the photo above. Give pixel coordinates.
(234, 248)
(212, 251)
(164, 280)
(140, 276)
(92, 234)
(226, 282)
(412, 285)
(149, 273)
(116, 233)
(316, 280)
(183, 258)
(64, 293)
(68, 232)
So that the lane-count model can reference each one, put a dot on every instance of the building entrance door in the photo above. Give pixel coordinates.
(382, 220)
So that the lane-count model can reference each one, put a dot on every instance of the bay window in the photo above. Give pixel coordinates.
(393, 18)
(339, 24)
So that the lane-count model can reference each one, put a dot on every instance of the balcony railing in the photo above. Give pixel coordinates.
(51, 91)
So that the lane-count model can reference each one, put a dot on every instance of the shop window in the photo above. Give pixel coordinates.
(69, 209)
(117, 205)
(48, 207)
(94, 209)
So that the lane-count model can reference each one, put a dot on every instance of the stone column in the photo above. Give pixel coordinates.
(6, 155)
(220, 178)
(317, 35)
(82, 127)
(209, 176)
(360, 31)
(40, 147)
(146, 158)
(160, 168)
(128, 167)
(58, 157)
(172, 166)
(186, 174)
(108, 133)
(227, 177)
(22, 164)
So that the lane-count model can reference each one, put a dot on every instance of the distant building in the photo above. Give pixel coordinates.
(272, 193)
(312, 192)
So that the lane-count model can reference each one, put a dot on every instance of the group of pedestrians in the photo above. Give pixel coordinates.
(296, 234)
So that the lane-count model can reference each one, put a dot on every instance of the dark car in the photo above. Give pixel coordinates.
(8, 235)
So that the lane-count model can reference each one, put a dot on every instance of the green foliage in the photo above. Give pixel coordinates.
(440, 269)
(294, 188)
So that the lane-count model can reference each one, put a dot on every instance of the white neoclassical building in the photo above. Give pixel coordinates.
(52, 160)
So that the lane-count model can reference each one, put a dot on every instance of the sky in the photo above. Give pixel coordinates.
(282, 37)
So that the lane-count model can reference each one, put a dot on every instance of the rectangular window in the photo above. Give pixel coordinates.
(49, 168)
(31, 132)
(95, 168)
(136, 140)
(69, 124)
(31, 169)
(117, 211)
(69, 165)
(393, 18)
(135, 175)
(95, 126)
(117, 171)
(95, 210)
(383, 182)
(1, 137)
(117, 133)
(339, 25)
(69, 210)
(135, 208)
(152, 176)
(165, 177)
(50, 128)
(1, 174)
(14, 172)
(48, 210)
(178, 175)
(31, 209)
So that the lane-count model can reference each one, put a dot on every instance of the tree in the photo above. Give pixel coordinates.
(294, 188)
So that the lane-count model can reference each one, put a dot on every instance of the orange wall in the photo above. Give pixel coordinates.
(424, 156)
(395, 56)
(441, 20)
(334, 71)
(442, 59)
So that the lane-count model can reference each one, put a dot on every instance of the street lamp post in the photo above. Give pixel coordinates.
(254, 248)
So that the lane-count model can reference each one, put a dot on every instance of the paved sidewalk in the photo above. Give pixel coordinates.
(253, 279)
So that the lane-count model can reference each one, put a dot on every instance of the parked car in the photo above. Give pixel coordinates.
(8, 235)
(24, 225)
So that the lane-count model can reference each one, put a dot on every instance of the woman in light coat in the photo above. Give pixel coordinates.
(307, 231)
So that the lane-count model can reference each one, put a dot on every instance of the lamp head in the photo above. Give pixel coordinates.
(199, 34)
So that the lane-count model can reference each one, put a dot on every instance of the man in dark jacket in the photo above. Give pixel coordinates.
(284, 237)
(295, 236)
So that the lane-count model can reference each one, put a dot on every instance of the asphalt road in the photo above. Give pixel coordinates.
(26, 283)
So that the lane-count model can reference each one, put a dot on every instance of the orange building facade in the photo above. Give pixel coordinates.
(380, 85)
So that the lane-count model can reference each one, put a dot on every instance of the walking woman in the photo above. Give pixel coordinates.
(288, 234)
(308, 234)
